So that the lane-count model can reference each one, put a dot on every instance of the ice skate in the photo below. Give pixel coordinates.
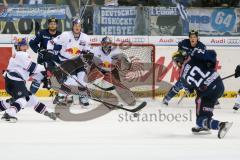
(6, 117)
(236, 107)
(164, 102)
(84, 101)
(51, 115)
(200, 131)
(224, 128)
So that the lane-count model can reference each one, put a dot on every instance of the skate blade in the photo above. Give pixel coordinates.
(235, 111)
(225, 130)
(9, 121)
(202, 133)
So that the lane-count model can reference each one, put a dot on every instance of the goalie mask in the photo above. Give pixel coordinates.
(106, 45)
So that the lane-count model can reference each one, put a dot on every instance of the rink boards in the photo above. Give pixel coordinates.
(227, 49)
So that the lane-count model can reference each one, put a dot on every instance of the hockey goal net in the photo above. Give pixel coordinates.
(141, 78)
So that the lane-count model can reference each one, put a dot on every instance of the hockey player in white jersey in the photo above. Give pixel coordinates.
(72, 42)
(107, 63)
(19, 69)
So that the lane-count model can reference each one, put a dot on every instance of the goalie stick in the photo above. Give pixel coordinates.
(105, 89)
(107, 104)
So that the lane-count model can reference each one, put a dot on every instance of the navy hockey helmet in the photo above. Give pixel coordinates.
(52, 19)
(193, 32)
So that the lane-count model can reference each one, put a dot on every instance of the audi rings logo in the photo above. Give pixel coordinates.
(138, 40)
(233, 41)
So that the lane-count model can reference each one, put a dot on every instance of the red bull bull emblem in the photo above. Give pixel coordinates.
(73, 51)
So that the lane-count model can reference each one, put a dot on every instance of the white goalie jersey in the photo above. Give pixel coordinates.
(107, 62)
(70, 46)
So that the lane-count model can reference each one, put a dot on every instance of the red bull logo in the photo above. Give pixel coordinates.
(106, 64)
(73, 51)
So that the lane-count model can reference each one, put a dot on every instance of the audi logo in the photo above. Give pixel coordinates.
(233, 41)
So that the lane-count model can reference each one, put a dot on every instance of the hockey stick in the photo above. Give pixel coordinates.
(228, 76)
(180, 100)
(136, 109)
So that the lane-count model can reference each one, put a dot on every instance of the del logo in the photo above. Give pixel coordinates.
(218, 41)
(73, 51)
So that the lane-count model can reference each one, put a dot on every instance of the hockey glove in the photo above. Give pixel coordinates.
(40, 52)
(87, 55)
(45, 80)
(237, 71)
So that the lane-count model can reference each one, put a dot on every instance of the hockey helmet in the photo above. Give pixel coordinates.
(76, 20)
(52, 19)
(193, 32)
(20, 42)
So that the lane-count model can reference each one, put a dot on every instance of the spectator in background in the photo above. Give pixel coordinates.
(5, 2)
(33, 2)
(111, 3)
(167, 25)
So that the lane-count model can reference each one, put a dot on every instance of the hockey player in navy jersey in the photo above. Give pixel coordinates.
(198, 73)
(185, 46)
(39, 44)
(19, 69)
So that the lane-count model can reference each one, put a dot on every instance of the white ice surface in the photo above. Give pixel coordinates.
(106, 138)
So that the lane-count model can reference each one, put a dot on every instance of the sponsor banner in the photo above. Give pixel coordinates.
(171, 40)
(28, 26)
(119, 21)
(164, 21)
(215, 21)
(155, 40)
(33, 11)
